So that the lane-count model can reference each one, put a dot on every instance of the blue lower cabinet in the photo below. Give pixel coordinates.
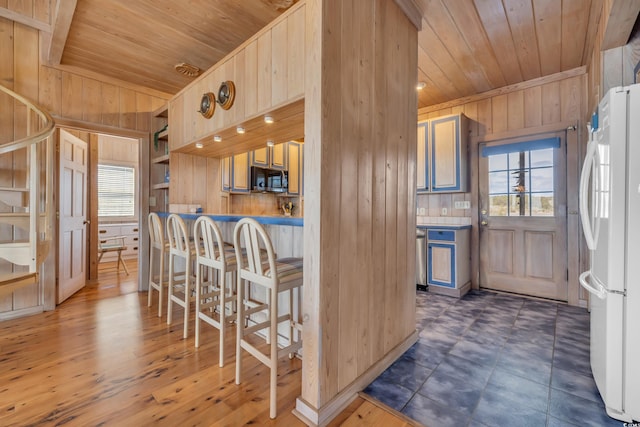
(449, 261)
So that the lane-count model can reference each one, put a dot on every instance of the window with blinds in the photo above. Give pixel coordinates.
(116, 191)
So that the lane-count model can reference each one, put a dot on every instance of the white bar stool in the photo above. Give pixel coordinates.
(214, 295)
(181, 281)
(275, 276)
(158, 249)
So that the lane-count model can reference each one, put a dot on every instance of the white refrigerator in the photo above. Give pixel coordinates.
(610, 214)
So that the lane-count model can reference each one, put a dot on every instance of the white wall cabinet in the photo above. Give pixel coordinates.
(442, 165)
(448, 261)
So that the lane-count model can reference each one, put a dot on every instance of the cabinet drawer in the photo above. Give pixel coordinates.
(443, 235)
(129, 229)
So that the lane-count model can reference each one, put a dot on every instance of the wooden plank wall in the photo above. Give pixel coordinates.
(84, 101)
(40, 10)
(360, 153)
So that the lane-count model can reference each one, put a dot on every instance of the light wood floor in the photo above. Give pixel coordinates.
(104, 358)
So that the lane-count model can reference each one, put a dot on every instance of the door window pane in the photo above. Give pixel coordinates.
(521, 182)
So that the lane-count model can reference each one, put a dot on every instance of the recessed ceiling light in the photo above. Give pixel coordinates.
(268, 119)
(217, 138)
(269, 143)
(240, 129)
(199, 145)
(421, 85)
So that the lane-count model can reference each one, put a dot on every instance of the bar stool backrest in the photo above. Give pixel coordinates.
(156, 234)
(207, 232)
(178, 236)
(254, 267)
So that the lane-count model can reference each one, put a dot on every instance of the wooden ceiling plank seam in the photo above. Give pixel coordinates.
(496, 26)
(575, 19)
(548, 23)
(186, 18)
(93, 60)
(437, 79)
(164, 40)
(124, 76)
(470, 28)
(443, 25)
(63, 16)
(520, 18)
(434, 48)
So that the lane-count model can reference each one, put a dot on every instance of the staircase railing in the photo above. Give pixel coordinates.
(26, 199)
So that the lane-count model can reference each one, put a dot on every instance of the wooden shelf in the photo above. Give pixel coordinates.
(161, 159)
(164, 135)
(161, 186)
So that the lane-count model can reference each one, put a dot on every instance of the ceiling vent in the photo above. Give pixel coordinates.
(187, 69)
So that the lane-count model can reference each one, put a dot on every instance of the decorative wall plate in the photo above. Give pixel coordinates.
(226, 94)
(207, 105)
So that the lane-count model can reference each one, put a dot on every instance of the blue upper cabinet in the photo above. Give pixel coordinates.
(442, 164)
(422, 179)
(260, 157)
(274, 157)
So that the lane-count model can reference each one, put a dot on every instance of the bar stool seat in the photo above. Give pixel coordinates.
(158, 251)
(275, 276)
(215, 296)
(181, 283)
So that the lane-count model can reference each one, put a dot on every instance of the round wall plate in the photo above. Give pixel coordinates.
(226, 94)
(207, 105)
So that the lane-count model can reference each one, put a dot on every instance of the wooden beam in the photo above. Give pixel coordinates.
(60, 30)
(619, 22)
(25, 20)
(504, 90)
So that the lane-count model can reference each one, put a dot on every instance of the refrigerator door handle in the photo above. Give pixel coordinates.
(585, 175)
(600, 292)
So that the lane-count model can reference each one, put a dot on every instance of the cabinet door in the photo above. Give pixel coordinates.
(279, 156)
(260, 157)
(422, 179)
(226, 174)
(446, 155)
(295, 167)
(240, 174)
(441, 264)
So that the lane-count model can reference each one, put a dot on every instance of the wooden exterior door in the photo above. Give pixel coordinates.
(523, 216)
(72, 209)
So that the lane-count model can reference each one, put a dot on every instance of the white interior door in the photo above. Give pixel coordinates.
(523, 216)
(72, 209)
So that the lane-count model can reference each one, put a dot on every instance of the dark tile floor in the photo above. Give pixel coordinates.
(495, 360)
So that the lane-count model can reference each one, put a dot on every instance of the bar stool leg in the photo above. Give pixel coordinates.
(239, 329)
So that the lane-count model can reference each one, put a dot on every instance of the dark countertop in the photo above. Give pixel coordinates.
(443, 226)
(262, 219)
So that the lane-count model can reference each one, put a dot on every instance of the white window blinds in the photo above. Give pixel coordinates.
(116, 191)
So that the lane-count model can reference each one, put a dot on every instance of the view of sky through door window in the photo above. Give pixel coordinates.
(521, 183)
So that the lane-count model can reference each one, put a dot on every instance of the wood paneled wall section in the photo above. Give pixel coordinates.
(72, 97)
(268, 72)
(39, 10)
(195, 180)
(360, 155)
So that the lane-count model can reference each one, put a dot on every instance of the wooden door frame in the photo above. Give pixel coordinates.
(574, 240)
(92, 209)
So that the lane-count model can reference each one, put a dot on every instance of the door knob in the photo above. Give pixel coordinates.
(86, 221)
(484, 222)
(483, 211)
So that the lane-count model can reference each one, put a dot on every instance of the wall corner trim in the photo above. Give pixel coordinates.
(412, 11)
(324, 415)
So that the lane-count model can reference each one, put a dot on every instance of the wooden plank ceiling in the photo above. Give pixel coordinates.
(465, 46)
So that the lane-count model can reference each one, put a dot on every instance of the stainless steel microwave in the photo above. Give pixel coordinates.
(269, 180)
